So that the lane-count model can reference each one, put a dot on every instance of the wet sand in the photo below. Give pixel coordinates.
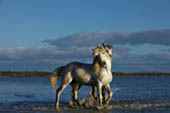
(88, 106)
(112, 109)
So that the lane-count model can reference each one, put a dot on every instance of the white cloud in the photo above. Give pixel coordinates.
(41, 56)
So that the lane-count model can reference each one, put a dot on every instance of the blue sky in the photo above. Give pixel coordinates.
(31, 25)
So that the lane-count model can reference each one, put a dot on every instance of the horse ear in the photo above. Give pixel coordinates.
(100, 45)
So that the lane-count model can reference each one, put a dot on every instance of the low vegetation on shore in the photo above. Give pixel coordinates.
(140, 74)
(36, 73)
(25, 73)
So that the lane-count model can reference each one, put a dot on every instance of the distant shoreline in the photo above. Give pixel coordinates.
(141, 74)
(44, 74)
(24, 74)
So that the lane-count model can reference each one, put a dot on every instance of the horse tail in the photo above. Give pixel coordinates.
(54, 77)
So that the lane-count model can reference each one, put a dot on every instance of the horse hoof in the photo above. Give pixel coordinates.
(106, 103)
(99, 107)
(57, 108)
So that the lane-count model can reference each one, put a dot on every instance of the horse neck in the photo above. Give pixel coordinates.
(96, 66)
(108, 64)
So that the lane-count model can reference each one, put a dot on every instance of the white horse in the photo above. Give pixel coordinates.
(58, 71)
(97, 75)
(109, 50)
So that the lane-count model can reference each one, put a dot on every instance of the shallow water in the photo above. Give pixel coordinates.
(131, 95)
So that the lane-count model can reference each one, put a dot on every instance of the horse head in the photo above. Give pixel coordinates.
(109, 49)
(103, 55)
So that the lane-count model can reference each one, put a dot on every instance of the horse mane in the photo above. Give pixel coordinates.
(96, 65)
(109, 46)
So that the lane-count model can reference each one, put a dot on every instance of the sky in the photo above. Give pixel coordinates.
(40, 35)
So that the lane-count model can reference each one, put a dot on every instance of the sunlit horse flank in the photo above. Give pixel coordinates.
(77, 74)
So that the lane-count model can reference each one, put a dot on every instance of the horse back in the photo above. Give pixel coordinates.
(82, 73)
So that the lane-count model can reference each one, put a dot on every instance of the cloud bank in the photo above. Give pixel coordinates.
(77, 47)
(156, 37)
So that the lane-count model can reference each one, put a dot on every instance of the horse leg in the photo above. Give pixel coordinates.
(109, 93)
(75, 90)
(99, 88)
(94, 89)
(65, 83)
(103, 94)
